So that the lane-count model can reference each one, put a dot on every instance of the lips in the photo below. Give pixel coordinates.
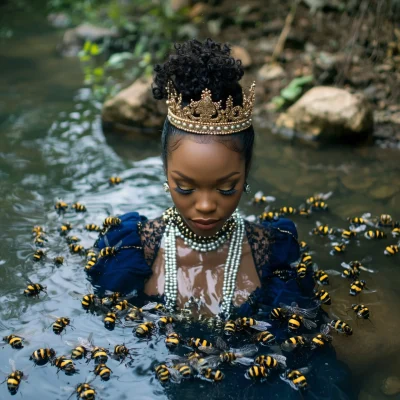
(205, 224)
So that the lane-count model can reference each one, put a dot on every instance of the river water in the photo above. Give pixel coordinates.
(52, 147)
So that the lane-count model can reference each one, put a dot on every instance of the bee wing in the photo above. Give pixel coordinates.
(360, 228)
(260, 328)
(211, 361)
(263, 324)
(270, 199)
(175, 375)
(52, 316)
(288, 381)
(304, 370)
(367, 270)
(118, 245)
(325, 329)
(306, 312)
(106, 242)
(248, 350)
(208, 350)
(149, 306)
(288, 346)
(244, 361)
(333, 272)
(258, 195)
(12, 364)
(368, 291)
(221, 344)
(309, 324)
(169, 329)
(150, 317)
(87, 343)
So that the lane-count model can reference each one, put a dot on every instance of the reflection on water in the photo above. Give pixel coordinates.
(53, 147)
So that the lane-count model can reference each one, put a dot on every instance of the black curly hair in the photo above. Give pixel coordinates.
(194, 67)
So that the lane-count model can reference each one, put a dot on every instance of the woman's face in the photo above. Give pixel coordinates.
(206, 182)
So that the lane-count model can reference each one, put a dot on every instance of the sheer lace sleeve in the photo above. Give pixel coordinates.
(151, 233)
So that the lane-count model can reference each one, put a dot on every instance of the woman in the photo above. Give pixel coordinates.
(201, 251)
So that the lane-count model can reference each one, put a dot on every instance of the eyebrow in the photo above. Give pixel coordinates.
(218, 180)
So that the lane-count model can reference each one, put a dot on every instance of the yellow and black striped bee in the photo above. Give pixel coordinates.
(341, 327)
(165, 320)
(65, 364)
(59, 260)
(72, 239)
(301, 270)
(172, 339)
(265, 338)
(145, 329)
(38, 255)
(385, 220)
(38, 230)
(296, 317)
(76, 248)
(323, 297)
(42, 356)
(349, 233)
(303, 247)
(375, 234)
(93, 228)
(40, 240)
(90, 263)
(319, 205)
(245, 323)
(212, 375)
(164, 374)
(99, 355)
(79, 207)
(353, 269)
(82, 348)
(110, 320)
(271, 361)
(115, 180)
(121, 352)
(391, 250)
(103, 372)
(89, 300)
(230, 327)
(356, 221)
(396, 232)
(111, 221)
(257, 372)
(60, 324)
(304, 212)
(15, 341)
(323, 230)
(287, 210)
(294, 342)
(321, 339)
(296, 378)
(34, 289)
(185, 370)
(65, 228)
(321, 276)
(111, 299)
(121, 306)
(306, 258)
(61, 206)
(14, 378)
(317, 197)
(278, 314)
(269, 216)
(338, 248)
(85, 392)
(197, 342)
(357, 287)
(361, 310)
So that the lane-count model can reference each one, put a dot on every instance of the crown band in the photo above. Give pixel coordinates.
(205, 117)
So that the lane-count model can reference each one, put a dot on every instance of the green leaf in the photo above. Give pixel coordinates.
(291, 92)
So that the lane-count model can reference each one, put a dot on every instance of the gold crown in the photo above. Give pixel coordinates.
(206, 117)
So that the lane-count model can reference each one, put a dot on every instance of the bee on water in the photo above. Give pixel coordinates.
(78, 207)
(375, 234)
(323, 297)
(172, 339)
(322, 276)
(303, 247)
(99, 355)
(14, 378)
(297, 317)
(358, 286)
(257, 373)
(61, 206)
(269, 216)
(301, 269)
(82, 348)
(287, 211)
(278, 314)
(197, 342)
(271, 361)
(59, 324)
(42, 356)
(318, 205)
(322, 230)
(318, 197)
(321, 339)
(145, 329)
(353, 269)
(340, 327)
(38, 255)
(91, 259)
(338, 248)
(115, 180)
(207, 373)
(40, 240)
(391, 250)
(93, 228)
(265, 338)
(34, 289)
(15, 341)
(110, 222)
(65, 228)
(72, 239)
(111, 298)
(361, 310)
(229, 327)
(76, 248)
(246, 323)
(165, 374)
(85, 391)
(356, 221)
(102, 371)
(294, 342)
(385, 220)
(59, 260)
(396, 232)
(304, 212)
(65, 364)
(260, 198)
(38, 230)
(306, 258)
(121, 352)
(296, 378)
(349, 233)
(184, 370)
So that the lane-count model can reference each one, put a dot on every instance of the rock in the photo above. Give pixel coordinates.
(269, 72)
(391, 386)
(329, 114)
(383, 192)
(357, 182)
(74, 38)
(240, 53)
(135, 106)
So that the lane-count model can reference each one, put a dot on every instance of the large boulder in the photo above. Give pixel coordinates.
(135, 107)
(329, 114)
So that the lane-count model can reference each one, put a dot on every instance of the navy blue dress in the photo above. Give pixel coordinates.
(130, 268)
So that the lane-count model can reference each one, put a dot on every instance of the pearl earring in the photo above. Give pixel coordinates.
(166, 187)
(247, 188)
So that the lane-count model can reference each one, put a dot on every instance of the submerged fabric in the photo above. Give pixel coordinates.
(128, 271)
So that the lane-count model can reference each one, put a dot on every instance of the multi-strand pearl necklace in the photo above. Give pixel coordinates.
(232, 264)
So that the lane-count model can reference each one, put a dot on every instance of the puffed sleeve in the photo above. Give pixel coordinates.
(127, 270)
(284, 250)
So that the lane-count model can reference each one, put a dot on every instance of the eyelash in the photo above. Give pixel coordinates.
(223, 192)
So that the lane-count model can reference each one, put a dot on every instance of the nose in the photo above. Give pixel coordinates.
(206, 203)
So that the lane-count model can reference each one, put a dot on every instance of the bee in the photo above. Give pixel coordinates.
(99, 355)
(165, 320)
(40, 240)
(60, 324)
(82, 348)
(93, 228)
(115, 180)
(296, 317)
(357, 221)
(294, 342)
(197, 342)
(257, 372)
(135, 313)
(184, 370)
(42, 356)
(38, 255)
(65, 364)
(15, 341)
(375, 234)
(322, 230)
(72, 239)
(287, 210)
(121, 352)
(357, 287)
(385, 220)
(230, 327)
(323, 297)
(65, 228)
(61, 206)
(111, 299)
(278, 314)
(361, 311)
(391, 250)
(349, 233)
(85, 392)
(79, 352)
(109, 320)
(318, 197)
(245, 323)
(321, 276)
(38, 230)
(103, 371)
(109, 250)
(301, 270)
(306, 258)
(271, 361)
(145, 329)
(319, 205)
(79, 207)
(111, 221)
(340, 327)
(303, 247)
(212, 375)
(172, 339)
(265, 338)
(121, 306)
(90, 263)
(165, 374)
(269, 216)
(14, 379)
(304, 212)
(76, 248)
(34, 289)
(296, 378)
(321, 339)
(353, 269)
(59, 260)
(338, 248)
(396, 232)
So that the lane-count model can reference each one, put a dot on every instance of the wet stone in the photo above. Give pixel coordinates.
(384, 192)
(357, 182)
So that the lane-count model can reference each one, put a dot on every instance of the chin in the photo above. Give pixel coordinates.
(205, 232)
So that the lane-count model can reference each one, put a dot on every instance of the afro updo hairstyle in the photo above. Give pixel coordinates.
(194, 67)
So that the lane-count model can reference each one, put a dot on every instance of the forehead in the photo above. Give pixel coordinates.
(204, 161)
